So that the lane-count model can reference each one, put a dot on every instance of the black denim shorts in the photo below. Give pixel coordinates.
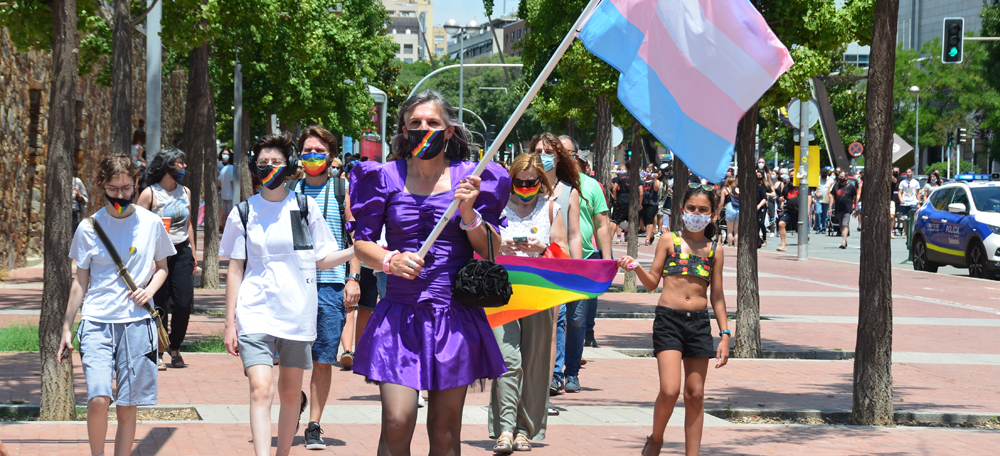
(685, 331)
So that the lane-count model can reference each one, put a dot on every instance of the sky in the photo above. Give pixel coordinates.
(465, 10)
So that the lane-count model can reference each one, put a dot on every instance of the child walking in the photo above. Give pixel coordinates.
(690, 263)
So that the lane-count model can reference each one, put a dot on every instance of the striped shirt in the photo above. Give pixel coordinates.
(337, 274)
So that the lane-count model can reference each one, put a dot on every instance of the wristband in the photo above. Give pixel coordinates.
(476, 222)
(385, 261)
(726, 332)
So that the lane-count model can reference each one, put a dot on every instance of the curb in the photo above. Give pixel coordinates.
(821, 355)
(26, 410)
(837, 416)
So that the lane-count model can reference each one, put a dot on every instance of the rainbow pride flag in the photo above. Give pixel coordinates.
(543, 283)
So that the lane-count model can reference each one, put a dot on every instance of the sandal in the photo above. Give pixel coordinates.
(553, 411)
(521, 443)
(347, 360)
(504, 444)
(651, 442)
(176, 361)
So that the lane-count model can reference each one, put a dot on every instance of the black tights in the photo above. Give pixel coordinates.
(761, 219)
(399, 419)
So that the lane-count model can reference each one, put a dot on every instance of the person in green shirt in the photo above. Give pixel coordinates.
(594, 223)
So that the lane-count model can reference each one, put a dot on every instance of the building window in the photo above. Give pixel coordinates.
(407, 49)
(391, 13)
(438, 39)
(439, 51)
(518, 34)
(408, 60)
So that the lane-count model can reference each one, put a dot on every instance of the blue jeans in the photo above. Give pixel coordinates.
(822, 214)
(569, 338)
(330, 318)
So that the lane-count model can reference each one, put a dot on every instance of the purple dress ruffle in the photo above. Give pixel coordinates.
(418, 336)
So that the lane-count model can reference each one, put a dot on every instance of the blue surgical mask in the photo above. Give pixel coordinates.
(334, 172)
(179, 174)
(548, 161)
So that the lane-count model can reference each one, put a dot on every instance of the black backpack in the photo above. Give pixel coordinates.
(301, 238)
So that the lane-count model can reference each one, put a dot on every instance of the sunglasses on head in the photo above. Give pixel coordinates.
(524, 183)
(704, 187)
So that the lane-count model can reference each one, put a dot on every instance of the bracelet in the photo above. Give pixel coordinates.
(726, 332)
(476, 222)
(385, 261)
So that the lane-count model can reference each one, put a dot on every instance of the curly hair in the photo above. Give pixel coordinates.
(162, 163)
(457, 148)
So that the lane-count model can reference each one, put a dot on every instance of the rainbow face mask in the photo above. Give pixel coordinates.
(314, 164)
(526, 194)
(119, 204)
(426, 144)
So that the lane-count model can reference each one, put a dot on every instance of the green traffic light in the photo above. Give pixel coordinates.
(953, 52)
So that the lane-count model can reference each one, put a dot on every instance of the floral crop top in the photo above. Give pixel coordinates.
(688, 264)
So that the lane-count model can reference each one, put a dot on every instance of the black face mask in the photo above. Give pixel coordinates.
(273, 177)
(119, 205)
(426, 144)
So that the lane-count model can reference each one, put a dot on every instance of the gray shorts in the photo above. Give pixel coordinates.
(123, 352)
(256, 349)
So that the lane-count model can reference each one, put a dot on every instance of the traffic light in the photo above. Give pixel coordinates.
(951, 137)
(961, 135)
(489, 133)
(951, 51)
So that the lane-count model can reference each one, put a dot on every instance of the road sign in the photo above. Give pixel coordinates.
(617, 135)
(855, 149)
(812, 116)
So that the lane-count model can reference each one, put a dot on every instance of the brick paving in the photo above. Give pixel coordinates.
(789, 288)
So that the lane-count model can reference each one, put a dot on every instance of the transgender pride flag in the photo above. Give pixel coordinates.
(689, 70)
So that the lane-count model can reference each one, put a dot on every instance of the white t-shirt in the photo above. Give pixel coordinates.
(107, 300)
(910, 187)
(226, 177)
(278, 293)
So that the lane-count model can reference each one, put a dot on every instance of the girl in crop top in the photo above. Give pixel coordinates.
(690, 264)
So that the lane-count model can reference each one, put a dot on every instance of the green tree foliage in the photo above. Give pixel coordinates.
(301, 60)
(990, 71)
(942, 168)
(951, 95)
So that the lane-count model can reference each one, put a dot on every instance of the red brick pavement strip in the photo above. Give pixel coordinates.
(169, 439)
(778, 384)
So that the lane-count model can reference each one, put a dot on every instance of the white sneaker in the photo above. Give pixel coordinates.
(420, 401)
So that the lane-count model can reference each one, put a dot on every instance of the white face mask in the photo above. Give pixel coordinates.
(760, 166)
(695, 222)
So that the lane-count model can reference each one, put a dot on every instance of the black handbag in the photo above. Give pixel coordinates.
(482, 283)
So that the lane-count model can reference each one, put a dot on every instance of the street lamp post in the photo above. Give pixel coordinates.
(916, 149)
(452, 28)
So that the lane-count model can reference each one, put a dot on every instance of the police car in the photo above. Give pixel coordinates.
(959, 225)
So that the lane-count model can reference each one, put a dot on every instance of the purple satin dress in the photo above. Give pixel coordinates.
(418, 336)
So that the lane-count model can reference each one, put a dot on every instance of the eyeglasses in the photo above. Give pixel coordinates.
(121, 190)
(705, 187)
(273, 162)
(524, 183)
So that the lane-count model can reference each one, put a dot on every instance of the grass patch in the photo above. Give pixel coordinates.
(211, 344)
(23, 337)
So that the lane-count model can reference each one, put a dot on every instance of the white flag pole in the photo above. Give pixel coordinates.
(498, 142)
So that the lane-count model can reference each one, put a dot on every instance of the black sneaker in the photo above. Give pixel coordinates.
(589, 340)
(314, 437)
(302, 408)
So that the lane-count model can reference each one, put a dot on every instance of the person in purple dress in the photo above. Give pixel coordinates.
(419, 337)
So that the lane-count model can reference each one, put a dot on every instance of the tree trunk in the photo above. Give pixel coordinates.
(602, 145)
(121, 80)
(197, 111)
(246, 182)
(873, 349)
(58, 402)
(210, 245)
(680, 189)
(747, 287)
(635, 189)
(571, 128)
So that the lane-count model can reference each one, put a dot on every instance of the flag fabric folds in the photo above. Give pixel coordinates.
(543, 283)
(689, 70)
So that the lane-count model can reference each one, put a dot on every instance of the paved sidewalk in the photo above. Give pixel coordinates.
(940, 365)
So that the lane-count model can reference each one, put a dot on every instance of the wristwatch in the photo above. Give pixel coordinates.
(726, 332)
(355, 277)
